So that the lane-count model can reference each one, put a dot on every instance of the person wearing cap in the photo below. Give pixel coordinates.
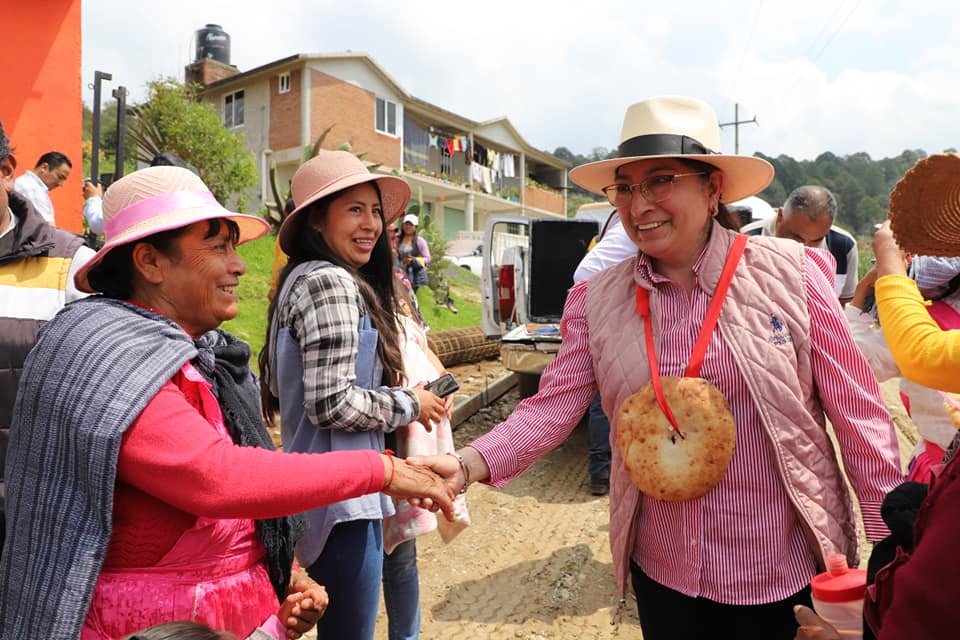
(807, 217)
(37, 264)
(332, 368)
(413, 251)
(739, 555)
(142, 484)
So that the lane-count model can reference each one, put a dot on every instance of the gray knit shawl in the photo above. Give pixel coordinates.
(93, 370)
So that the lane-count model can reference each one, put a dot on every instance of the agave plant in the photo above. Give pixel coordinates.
(276, 210)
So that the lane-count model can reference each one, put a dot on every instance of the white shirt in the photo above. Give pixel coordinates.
(93, 212)
(846, 283)
(614, 247)
(31, 187)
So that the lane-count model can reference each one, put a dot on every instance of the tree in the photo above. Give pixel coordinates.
(173, 119)
(576, 199)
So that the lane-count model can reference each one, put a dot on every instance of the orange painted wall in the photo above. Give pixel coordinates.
(40, 104)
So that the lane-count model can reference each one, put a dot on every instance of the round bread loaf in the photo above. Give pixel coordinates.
(661, 463)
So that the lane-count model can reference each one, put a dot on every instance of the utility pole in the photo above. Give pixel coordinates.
(98, 78)
(736, 126)
(120, 93)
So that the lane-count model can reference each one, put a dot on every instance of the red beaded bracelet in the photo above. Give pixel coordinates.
(393, 468)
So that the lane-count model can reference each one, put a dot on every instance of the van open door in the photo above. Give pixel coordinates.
(503, 276)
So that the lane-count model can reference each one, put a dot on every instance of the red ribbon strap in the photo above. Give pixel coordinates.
(703, 340)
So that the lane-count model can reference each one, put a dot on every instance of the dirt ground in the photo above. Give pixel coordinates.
(535, 562)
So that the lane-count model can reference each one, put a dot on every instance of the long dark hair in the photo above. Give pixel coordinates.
(375, 281)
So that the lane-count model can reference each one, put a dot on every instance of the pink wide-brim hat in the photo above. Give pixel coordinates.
(159, 199)
(329, 172)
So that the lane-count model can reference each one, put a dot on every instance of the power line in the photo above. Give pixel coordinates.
(839, 28)
(746, 46)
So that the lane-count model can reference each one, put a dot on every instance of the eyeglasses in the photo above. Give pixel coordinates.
(653, 189)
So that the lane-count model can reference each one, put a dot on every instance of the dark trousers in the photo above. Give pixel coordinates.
(666, 614)
(598, 442)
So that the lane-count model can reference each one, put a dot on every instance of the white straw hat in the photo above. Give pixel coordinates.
(682, 128)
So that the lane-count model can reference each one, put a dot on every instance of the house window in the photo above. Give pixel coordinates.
(386, 117)
(284, 82)
(233, 109)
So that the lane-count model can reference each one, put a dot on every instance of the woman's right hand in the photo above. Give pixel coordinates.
(404, 480)
(432, 407)
(890, 258)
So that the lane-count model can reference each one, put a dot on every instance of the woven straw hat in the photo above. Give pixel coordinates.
(158, 199)
(332, 171)
(925, 207)
(682, 128)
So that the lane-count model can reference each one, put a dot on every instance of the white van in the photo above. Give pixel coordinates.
(528, 267)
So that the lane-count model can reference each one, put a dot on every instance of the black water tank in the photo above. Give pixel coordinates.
(213, 42)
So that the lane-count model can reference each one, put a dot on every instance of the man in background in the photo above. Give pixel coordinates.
(51, 171)
(807, 217)
(37, 264)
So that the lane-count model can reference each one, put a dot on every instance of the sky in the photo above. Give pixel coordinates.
(844, 76)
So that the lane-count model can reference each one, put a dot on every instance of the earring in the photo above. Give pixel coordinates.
(714, 209)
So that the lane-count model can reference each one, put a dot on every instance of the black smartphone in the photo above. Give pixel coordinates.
(443, 386)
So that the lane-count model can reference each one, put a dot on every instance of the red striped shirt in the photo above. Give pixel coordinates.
(741, 543)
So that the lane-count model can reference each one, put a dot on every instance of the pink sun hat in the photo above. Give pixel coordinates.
(330, 172)
(159, 199)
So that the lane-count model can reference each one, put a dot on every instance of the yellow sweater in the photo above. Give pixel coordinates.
(925, 353)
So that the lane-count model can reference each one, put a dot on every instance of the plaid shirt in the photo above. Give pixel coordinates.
(323, 311)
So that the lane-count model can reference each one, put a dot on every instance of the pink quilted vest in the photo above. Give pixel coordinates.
(770, 275)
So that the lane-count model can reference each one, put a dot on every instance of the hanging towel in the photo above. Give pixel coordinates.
(486, 179)
(509, 170)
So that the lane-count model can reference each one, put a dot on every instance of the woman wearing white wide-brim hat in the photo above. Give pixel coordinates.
(143, 486)
(721, 531)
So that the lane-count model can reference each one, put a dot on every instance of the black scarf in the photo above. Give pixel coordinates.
(223, 361)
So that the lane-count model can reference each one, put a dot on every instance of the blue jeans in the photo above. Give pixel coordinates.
(401, 592)
(598, 442)
(350, 568)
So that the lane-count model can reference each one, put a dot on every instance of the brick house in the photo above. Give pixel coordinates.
(461, 170)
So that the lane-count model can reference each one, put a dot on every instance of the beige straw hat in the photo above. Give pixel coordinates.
(332, 171)
(925, 207)
(158, 199)
(676, 127)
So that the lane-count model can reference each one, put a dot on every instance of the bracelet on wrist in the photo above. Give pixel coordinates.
(464, 469)
(393, 469)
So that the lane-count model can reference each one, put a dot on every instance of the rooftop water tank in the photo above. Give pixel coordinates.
(213, 42)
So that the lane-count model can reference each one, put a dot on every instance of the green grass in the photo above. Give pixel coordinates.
(251, 321)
